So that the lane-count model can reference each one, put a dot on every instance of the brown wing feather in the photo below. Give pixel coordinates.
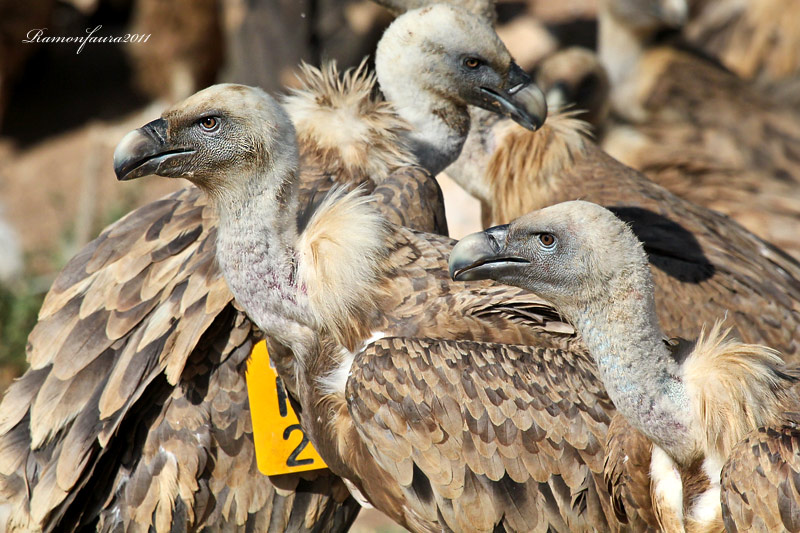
(93, 434)
(761, 482)
(479, 435)
(422, 301)
(411, 197)
(627, 474)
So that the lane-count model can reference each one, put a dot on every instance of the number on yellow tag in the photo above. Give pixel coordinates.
(281, 445)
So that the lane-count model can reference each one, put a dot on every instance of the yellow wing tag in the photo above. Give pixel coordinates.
(281, 445)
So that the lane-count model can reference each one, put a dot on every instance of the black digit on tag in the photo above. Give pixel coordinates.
(293, 460)
(281, 397)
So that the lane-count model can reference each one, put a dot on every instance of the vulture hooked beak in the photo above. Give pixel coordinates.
(481, 256)
(521, 100)
(145, 151)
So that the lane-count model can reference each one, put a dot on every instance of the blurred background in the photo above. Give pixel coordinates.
(63, 111)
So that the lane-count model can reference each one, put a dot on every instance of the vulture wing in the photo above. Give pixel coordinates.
(627, 473)
(135, 409)
(760, 487)
(479, 435)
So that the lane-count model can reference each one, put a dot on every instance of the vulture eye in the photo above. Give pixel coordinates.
(472, 63)
(547, 240)
(209, 124)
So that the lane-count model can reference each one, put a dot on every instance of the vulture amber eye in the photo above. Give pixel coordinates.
(209, 124)
(472, 62)
(547, 240)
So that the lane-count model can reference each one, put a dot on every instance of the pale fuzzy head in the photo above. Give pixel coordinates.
(445, 53)
(220, 138)
(573, 253)
(649, 15)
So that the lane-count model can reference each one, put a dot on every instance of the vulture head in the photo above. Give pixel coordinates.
(572, 253)
(457, 60)
(218, 139)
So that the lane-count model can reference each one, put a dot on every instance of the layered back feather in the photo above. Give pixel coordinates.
(344, 127)
(736, 387)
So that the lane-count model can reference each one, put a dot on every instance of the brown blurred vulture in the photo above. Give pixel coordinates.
(435, 429)
(694, 402)
(574, 78)
(696, 128)
(139, 355)
(756, 40)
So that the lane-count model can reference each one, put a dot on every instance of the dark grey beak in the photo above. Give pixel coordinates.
(481, 255)
(521, 100)
(145, 151)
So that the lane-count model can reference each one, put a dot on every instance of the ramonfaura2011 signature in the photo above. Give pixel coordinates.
(37, 35)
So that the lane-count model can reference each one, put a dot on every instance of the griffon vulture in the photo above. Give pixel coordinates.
(139, 354)
(694, 402)
(700, 259)
(400, 391)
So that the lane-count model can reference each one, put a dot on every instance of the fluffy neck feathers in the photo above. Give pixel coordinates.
(325, 280)
(522, 173)
(340, 122)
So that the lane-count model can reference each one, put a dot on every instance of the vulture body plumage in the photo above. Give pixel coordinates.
(756, 40)
(444, 406)
(695, 402)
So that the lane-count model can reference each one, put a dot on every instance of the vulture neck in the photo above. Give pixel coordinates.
(642, 378)
(439, 126)
(256, 252)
